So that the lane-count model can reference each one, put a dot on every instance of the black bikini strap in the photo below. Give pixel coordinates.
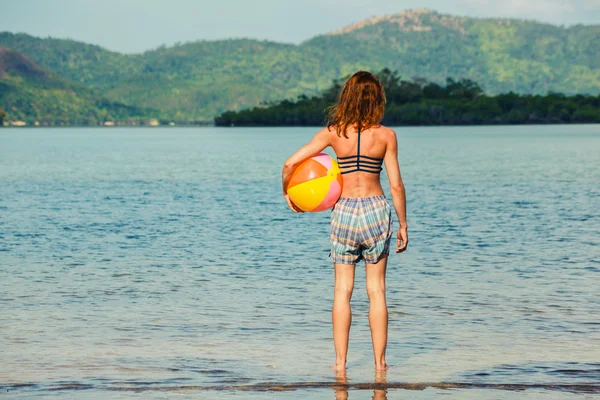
(358, 149)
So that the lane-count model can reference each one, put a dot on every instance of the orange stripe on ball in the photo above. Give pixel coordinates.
(308, 170)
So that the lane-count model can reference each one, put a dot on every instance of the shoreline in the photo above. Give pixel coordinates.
(589, 388)
(207, 125)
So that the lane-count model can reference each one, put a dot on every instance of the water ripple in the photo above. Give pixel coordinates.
(166, 259)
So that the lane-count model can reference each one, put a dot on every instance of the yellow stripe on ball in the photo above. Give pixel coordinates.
(308, 195)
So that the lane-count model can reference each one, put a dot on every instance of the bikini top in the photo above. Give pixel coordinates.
(360, 162)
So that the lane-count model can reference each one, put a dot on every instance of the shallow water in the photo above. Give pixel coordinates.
(166, 260)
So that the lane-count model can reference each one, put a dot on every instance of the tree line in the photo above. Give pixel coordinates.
(420, 102)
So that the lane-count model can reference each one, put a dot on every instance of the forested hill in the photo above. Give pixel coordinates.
(30, 93)
(198, 80)
(501, 54)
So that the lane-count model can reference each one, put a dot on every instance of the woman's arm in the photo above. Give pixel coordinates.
(318, 143)
(397, 190)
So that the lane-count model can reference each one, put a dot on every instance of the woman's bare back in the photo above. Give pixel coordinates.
(373, 143)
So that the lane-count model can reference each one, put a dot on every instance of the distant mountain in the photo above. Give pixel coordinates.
(30, 93)
(501, 54)
(201, 79)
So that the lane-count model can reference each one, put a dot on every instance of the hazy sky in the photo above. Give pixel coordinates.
(138, 25)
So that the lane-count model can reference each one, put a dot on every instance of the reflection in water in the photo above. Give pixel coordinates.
(380, 394)
(341, 392)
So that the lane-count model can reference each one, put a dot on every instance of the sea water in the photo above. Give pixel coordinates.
(155, 262)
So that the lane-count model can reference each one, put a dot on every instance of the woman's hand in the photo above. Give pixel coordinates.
(291, 204)
(402, 239)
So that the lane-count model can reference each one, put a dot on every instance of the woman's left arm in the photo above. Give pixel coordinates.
(318, 143)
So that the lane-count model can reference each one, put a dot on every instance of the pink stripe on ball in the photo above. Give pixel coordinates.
(331, 198)
(324, 160)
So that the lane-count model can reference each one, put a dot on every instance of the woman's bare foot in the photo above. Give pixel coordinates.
(381, 376)
(341, 377)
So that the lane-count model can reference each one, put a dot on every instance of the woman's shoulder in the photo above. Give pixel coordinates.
(384, 128)
(387, 132)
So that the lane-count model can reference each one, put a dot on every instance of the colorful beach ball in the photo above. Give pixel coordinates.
(316, 184)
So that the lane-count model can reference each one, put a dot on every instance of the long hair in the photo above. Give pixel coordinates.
(361, 103)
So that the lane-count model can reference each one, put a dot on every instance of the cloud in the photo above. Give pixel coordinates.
(557, 11)
(526, 7)
(591, 4)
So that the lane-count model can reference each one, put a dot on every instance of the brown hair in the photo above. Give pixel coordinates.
(361, 103)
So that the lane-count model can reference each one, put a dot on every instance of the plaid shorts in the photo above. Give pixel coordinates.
(361, 228)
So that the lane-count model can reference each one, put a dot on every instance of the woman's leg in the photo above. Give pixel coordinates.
(341, 315)
(378, 313)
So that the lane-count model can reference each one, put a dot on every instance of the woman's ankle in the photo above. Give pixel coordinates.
(380, 365)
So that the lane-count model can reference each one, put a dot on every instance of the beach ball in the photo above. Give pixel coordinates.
(316, 184)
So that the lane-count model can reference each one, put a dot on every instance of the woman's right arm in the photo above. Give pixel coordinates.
(396, 189)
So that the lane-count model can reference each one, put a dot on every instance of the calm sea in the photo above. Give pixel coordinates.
(152, 263)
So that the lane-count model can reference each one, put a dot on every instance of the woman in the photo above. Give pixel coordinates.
(361, 222)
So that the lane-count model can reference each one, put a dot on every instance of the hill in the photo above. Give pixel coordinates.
(30, 93)
(501, 54)
(202, 79)
(190, 81)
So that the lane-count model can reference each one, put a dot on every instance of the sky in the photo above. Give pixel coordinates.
(132, 26)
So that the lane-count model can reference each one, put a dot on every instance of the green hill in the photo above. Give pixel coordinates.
(29, 93)
(202, 79)
(190, 81)
(501, 54)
